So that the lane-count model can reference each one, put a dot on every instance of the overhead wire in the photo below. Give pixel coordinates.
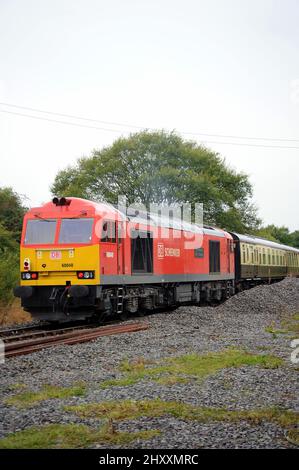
(131, 126)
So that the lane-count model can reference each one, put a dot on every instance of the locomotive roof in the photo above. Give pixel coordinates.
(261, 241)
(142, 217)
(175, 223)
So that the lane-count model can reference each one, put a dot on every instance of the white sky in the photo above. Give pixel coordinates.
(211, 66)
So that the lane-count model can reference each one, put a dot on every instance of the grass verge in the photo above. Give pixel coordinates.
(132, 409)
(187, 367)
(289, 326)
(293, 436)
(13, 314)
(28, 398)
(69, 436)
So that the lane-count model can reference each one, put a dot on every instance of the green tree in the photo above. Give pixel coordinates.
(9, 276)
(279, 234)
(7, 241)
(295, 238)
(160, 167)
(11, 219)
(12, 211)
(265, 232)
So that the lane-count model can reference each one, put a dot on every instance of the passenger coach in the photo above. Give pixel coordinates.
(257, 259)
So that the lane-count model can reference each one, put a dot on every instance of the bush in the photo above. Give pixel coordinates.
(9, 275)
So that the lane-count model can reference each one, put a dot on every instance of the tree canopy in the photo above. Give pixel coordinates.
(12, 211)
(279, 234)
(11, 219)
(162, 168)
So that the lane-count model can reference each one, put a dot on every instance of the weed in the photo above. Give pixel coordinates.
(29, 398)
(132, 409)
(190, 366)
(69, 436)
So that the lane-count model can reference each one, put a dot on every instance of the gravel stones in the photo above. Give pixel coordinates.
(240, 322)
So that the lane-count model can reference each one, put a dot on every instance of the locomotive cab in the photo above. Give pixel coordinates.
(59, 260)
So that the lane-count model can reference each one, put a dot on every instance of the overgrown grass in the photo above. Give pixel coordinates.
(69, 436)
(132, 409)
(289, 326)
(293, 436)
(292, 324)
(17, 386)
(187, 367)
(13, 313)
(28, 398)
(275, 331)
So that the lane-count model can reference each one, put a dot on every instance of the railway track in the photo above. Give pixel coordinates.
(6, 332)
(35, 340)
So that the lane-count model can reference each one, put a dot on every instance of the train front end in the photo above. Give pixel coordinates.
(60, 261)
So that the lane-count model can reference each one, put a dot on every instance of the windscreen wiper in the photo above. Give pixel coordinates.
(42, 218)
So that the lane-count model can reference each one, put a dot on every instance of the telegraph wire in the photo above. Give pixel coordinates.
(81, 118)
(118, 131)
(60, 122)
(276, 139)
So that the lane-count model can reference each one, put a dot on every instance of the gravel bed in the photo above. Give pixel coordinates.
(240, 322)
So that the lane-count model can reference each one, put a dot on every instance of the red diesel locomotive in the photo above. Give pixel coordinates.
(81, 259)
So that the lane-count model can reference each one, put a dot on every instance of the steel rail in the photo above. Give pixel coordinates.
(30, 346)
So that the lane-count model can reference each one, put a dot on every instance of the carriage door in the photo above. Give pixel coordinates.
(214, 248)
(141, 252)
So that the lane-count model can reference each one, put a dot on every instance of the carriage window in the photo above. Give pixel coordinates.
(40, 232)
(243, 255)
(76, 231)
(109, 231)
(199, 253)
(264, 256)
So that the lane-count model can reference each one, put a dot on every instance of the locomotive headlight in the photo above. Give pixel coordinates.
(85, 274)
(29, 276)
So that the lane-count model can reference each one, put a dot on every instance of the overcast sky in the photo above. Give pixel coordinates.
(204, 66)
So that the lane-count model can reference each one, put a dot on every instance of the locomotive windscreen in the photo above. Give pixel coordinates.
(76, 231)
(40, 232)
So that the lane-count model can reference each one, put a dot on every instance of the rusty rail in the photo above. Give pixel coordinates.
(19, 348)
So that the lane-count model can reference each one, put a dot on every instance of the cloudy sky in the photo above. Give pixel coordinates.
(228, 69)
